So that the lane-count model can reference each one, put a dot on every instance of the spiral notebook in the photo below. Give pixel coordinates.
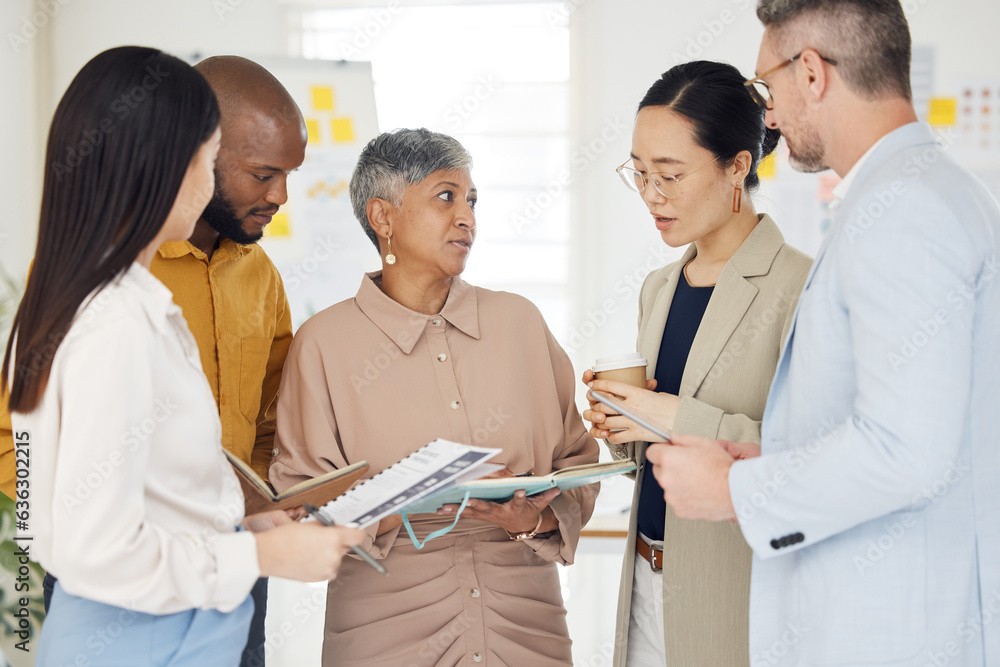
(435, 467)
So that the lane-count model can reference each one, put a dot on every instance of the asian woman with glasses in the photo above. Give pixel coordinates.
(711, 326)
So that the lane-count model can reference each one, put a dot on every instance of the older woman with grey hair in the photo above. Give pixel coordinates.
(419, 354)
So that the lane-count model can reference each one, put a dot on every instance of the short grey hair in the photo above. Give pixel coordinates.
(393, 160)
(869, 39)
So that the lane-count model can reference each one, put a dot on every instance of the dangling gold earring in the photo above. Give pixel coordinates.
(737, 198)
(389, 257)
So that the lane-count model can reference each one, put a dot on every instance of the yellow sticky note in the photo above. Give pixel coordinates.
(279, 226)
(943, 111)
(312, 128)
(343, 130)
(322, 98)
(767, 168)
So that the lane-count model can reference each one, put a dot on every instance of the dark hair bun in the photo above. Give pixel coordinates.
(726, 120)
(771, 138)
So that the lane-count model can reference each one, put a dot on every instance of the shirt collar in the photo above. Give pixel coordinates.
(155, 298)
(227, 249)
(841, 189)
(404, 326)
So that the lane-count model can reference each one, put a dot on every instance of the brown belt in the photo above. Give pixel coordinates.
(652, 555)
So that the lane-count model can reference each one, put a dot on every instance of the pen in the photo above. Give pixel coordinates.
(318, 514)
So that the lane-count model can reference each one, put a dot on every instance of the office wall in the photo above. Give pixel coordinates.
(619, 47)
(20, 132)
(47, 41)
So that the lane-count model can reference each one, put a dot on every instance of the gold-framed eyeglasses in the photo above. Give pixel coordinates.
(759, 91)
(665, 184)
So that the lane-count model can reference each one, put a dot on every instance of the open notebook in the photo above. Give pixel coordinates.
(259, 497)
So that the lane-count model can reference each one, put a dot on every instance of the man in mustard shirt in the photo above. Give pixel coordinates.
(229, 290)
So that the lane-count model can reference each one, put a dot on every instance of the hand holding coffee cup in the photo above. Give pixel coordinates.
(624, 378)
(628, 368)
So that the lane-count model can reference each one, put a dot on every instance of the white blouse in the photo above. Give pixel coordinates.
(131, 499)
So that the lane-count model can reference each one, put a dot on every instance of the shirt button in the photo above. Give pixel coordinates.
(222, 400)
(477, 657)
(455, 405)
(436, 321)
(474, 593)
(274, 452)
(442, 357)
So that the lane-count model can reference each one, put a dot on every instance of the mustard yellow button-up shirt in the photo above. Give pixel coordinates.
(236, 308)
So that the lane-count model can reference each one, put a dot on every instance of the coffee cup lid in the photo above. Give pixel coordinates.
(619, 361)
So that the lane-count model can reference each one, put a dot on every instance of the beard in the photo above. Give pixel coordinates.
(221, 215)
(806, 155)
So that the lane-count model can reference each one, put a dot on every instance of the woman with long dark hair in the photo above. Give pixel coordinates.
(133, 505)
(711, 327)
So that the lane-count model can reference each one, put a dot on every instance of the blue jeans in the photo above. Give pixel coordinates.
(82, 631)
(253, 652)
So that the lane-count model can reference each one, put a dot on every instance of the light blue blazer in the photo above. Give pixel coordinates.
(874, 513)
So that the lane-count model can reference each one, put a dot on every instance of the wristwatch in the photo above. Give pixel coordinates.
(528, 535)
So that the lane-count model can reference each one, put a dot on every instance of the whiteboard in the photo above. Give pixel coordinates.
(315, 240)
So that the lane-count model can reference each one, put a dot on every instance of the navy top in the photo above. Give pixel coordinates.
(683, 320)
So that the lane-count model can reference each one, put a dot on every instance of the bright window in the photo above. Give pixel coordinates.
(496, 77)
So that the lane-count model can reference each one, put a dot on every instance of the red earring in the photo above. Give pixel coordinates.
(737, 197)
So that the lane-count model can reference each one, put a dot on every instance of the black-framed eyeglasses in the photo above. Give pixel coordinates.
(758, 87)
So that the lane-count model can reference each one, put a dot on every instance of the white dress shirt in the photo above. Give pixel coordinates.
(841, 189)
(132, 500)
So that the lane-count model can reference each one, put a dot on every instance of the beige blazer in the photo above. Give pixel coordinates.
(706, 573)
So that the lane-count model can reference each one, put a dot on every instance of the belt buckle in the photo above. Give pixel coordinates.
(656, 546)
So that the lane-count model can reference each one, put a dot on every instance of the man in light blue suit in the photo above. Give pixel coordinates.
(874, 509)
